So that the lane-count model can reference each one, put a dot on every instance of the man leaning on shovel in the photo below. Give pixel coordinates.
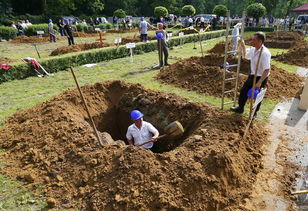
(258, 55)
(141, 131)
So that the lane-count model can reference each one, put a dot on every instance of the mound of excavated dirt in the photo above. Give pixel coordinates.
(34, 39)
(77, 48)
(122, 30)
(209, 168)
(219, 48)
(134, 39)
(296, 56)
(204, 75)
(285, 35)
(5, 60)
(82, 34)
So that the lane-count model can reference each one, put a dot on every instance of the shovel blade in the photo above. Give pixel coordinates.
(174, 129)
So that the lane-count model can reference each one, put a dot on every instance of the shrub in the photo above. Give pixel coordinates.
(188, 10)
(220, 10)
(104, 26)
(83, 28)
(160, 11)
(256, 10)
(119, 13)
(7, 32)
(256, 29)
(60, 63)
(31, 30)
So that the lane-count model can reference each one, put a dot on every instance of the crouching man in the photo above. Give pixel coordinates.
(141, 131)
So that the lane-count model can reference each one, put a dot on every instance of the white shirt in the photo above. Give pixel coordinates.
(265, 60)
(140, 136)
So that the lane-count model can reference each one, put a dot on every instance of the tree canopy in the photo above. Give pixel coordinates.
(188, 10)
(56, 8)
(220, 10)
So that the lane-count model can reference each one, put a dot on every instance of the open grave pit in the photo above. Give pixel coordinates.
(52, 146)
(205, 75)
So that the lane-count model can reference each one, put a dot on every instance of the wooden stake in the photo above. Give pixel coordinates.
(36, 50)
(87, 109)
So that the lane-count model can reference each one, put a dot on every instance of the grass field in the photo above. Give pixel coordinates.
(21, 94)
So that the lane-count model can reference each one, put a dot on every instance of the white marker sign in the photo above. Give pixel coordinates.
(97, 29)
(169, 35)
(259, 98)
(130, 46)
(181, 34)
(118, 41)
(40, 32)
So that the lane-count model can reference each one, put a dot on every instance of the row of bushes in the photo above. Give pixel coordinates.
(94, 56)
(7, 32)
(256, 29)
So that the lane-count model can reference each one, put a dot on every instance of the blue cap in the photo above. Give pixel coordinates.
(142, 18)
(135, 115)
(249, 94)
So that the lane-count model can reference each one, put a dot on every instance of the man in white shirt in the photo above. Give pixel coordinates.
(141, 131)
(263, 70)
(143, 29)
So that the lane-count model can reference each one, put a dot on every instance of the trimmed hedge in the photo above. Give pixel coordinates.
(7, 32)
(60, 63)
(31, 30)
(256, 29)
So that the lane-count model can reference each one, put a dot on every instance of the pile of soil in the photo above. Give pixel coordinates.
(210, 167)
(286, 35)
(283, 39)
(204, 75)
(5, 60)
(34, 39)
(296, 56)
(122, 30)
(134, 39)
(82, 34)
(219, 48)
(77, 48)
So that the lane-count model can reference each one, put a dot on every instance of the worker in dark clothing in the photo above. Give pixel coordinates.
(68, 30)
(61, 27)
(162, 45)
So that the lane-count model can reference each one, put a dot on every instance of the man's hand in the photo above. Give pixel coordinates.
(258, 85)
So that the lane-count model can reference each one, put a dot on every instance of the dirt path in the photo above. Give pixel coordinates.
(285, 161)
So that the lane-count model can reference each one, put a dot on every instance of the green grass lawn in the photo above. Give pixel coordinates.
(22, 94)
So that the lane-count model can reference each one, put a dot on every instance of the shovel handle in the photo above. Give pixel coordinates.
(159, 137)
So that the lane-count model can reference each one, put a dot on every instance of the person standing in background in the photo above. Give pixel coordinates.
(51, 31)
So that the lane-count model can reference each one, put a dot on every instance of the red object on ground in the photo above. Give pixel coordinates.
(5, 66)
(303, 8)
(35, 64)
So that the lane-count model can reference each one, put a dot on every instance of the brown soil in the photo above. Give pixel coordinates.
(219, 48)
(285, 35)
(82, 34)
(77, 48)
(204, 75)
(5, 60)
(122, 30)
(190, 31)
(209, 168)
(134, 39)
(296, 56)
(34, 39)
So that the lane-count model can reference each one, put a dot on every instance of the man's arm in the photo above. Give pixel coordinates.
(264, 75)
(130, 142)
(242, 46)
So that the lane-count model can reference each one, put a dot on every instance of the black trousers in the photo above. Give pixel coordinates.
(165, 53)
(70, 39)
(244, 90)
(144, 37)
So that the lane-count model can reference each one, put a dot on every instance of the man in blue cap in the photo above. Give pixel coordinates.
(141, 131)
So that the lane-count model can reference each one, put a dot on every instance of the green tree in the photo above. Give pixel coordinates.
(160, 11)
(119, 13)
(188, 10)
(220, 10)
(256, 10)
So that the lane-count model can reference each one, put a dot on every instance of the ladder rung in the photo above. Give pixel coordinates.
(231, 51)
(229, 91)
(232, 65)
(230, 79)
(229, 102)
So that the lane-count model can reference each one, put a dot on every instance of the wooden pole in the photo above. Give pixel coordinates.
(87, 109)
(36, 50)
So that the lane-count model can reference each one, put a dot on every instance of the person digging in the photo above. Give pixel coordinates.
(259, 56)
(141, 131)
